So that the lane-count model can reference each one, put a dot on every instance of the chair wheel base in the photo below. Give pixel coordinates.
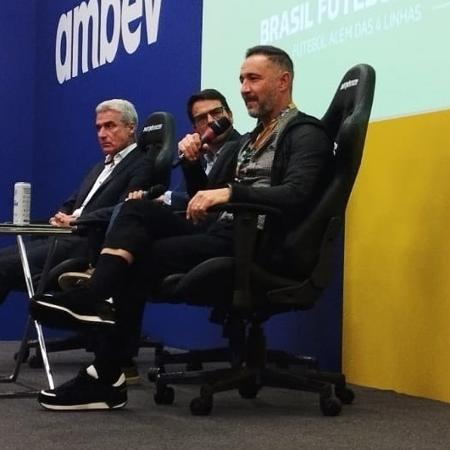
(201, 406)
(330, 405)
(35, 362)
(164, 395)
(248, 390)
(153, 373)
(345, 395)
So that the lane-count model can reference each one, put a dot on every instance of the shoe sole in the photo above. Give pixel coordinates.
(82, 407)
(80, 317)
(131, 381)
(53, 318)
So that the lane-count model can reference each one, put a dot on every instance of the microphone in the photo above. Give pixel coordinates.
(214, 129)
(155, 191)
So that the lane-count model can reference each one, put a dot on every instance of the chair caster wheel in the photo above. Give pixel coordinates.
(25, 356)
(330, 405)
(201, 406)
(345, 395)
(164, 395)
(153, 373)
(35, 362)
(248, 390)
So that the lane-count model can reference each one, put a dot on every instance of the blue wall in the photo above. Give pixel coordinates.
(159, 76)
(17, 96)
(17, 119)
(47, 127)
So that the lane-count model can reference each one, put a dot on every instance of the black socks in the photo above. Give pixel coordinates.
(111, 273)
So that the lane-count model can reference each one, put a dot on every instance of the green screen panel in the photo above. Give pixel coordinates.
(405, 41)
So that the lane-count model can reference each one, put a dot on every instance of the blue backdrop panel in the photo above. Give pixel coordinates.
(159, 76)
(49, 126)
(17, 74)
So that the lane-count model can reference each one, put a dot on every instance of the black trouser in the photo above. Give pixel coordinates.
(162, 243)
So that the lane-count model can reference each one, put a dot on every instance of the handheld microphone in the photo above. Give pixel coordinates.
(214, 129)
(155, 191)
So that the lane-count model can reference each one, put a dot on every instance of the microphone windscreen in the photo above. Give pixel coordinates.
(220, 126)
(215, 129)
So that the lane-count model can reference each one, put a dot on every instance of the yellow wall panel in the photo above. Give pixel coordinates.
(397, 259)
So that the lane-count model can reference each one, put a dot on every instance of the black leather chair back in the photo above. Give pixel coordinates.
(346, 122)
(157, 137)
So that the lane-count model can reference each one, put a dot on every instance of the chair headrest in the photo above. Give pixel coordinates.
(157, 129)
(353, 96)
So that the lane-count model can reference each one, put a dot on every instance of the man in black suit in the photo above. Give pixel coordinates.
(203, 108)
(124, 169)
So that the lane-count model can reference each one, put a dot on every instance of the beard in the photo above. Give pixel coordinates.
(259, 108)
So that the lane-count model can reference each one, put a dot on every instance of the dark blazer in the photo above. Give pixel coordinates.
(194, 173)
(302, 167)
(133, 173)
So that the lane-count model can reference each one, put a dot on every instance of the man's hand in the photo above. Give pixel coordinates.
(62, 220)
(202, 200)
(159, 200)
(135, 195)
(190, 147)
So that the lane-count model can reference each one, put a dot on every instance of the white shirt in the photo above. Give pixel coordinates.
(104, 174)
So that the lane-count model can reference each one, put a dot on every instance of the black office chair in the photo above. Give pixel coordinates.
(157, 137)
(249, 294)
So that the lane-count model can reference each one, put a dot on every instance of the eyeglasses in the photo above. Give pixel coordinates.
(202, 119)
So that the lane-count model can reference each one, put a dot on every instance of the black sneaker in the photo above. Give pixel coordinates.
(69, 308)
(85, 392)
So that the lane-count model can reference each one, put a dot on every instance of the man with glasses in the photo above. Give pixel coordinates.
(203, 108)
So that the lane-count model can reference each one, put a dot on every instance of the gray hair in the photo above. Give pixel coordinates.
(124, 107)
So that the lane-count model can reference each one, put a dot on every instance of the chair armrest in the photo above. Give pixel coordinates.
(245, 220)
(254, 208)
(91, 222)
(84, 227)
